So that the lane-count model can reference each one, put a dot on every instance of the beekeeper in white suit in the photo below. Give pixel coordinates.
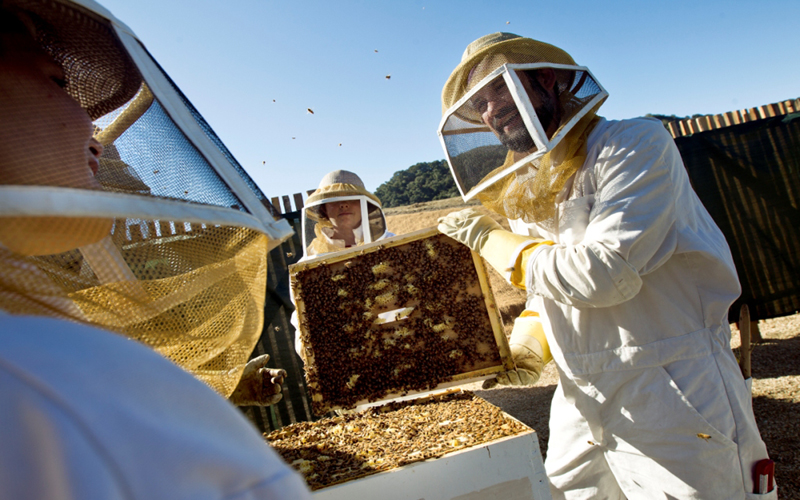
(627, 272)
(93, 258)
(340, 214)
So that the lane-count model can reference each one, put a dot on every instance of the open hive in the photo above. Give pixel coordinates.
(343, 448)
(402, 315)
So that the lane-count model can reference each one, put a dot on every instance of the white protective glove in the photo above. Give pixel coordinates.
(468, 226)
(259, 385)
(484, 235)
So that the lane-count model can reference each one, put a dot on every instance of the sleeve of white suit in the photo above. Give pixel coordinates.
(632, 224)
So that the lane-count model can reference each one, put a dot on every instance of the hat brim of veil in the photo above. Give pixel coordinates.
(517, 50)
(100, 74)
(318, 198)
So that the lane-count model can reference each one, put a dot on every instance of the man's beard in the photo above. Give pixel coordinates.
(519, 139)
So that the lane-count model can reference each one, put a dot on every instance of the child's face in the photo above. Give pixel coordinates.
(344, 215)
(45, 136)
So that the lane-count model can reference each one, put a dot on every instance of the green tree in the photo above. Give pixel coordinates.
(418, 183)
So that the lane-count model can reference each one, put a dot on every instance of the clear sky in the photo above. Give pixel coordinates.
(253, 68)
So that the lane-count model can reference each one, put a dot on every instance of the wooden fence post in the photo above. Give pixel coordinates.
(746, 347)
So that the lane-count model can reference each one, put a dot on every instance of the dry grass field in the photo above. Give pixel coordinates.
(775, 364)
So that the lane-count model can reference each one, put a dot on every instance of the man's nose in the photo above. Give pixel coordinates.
(95, 148)
(493, 106)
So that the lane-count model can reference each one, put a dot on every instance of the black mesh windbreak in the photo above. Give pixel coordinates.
(277, 340)
(748, 177)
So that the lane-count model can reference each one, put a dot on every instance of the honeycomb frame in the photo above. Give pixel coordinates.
(404, 315)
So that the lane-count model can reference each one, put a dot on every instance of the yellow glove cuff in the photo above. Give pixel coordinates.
(509, 252)
(528, 331)
(518, 276)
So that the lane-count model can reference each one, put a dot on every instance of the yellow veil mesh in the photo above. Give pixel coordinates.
(197, 298)
(320, 244)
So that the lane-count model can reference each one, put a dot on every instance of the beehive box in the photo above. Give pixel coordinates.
(399, 316)
(452, 445)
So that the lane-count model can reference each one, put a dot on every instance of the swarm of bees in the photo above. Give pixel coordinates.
(401, 319)
(343, 448)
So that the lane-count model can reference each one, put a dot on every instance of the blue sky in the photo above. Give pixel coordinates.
(253, 68)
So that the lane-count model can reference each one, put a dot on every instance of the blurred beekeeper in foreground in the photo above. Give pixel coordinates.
(93, 244)
(170, 267)
(629, 275)
(334, 219)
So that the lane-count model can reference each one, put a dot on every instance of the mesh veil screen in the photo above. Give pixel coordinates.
(319, 232)
(217, 142)
(481, 144)
(153, 154)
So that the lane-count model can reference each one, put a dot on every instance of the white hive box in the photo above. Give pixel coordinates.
(450, 445)
(507, 469)
(505, 465)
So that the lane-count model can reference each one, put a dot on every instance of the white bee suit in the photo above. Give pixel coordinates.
(634, 298)
(160, 434)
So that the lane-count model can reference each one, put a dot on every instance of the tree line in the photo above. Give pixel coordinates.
(426, 181)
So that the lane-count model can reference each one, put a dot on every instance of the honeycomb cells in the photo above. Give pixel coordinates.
(391, 321)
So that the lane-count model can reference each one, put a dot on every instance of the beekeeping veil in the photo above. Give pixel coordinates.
(319, 234)
(496, 118)
(168, 247)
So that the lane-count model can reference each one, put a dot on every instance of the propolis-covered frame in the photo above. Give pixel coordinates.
(500, 341)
